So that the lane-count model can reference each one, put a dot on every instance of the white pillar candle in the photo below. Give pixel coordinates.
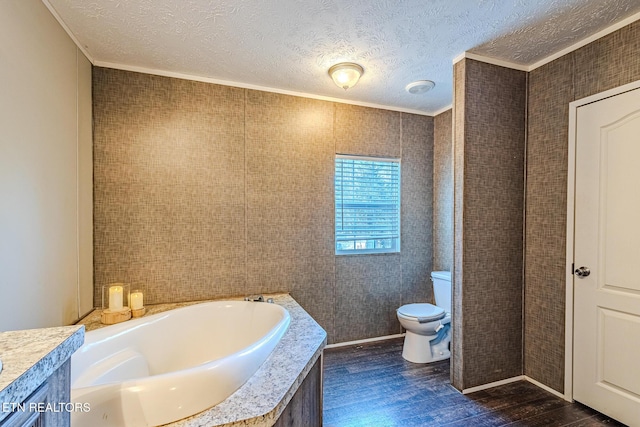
(137, 301)
(115, 298)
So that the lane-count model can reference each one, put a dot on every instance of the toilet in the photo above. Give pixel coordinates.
(428, 326)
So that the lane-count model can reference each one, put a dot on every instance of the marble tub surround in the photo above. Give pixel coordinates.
(30, 356)
(261, 400)
(92, 320)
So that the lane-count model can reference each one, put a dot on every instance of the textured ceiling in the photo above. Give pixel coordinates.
(290, 44)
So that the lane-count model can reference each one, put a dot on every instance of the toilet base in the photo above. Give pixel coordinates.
(418, 348)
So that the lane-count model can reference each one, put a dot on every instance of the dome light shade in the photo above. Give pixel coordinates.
(346, 74)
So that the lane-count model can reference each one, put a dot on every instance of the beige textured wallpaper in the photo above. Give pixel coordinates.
(443, 192)
(489, 175)
(601, 65)
(457, 273)
(417, 208)
(206, 191)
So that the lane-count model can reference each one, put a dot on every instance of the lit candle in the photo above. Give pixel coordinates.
(115, 298)
(136, 300)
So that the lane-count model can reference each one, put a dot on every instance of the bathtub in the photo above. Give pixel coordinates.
(168, 366)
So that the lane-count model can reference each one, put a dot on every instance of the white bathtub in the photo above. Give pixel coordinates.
(161, 368)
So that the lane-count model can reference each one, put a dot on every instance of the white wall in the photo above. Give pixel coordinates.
(46, 259)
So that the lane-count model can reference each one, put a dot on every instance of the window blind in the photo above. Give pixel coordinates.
(367, 203)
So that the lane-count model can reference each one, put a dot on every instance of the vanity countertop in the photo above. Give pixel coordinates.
(261, 400)
(30, 356)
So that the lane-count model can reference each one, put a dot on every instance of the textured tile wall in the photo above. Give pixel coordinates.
(289, 200)
(370, 288)
(204, 191)
(443, 192)
(169, 167)
(368, 131)
(550, 91)
(368, 292)
(490, 167)
(417, 208)
(607, 63)
(457, 273)
(601, 65)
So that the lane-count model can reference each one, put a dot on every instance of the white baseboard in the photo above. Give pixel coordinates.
(514, 379)
(547, 389)
(348, 343)
(493, 384)
(466, 390)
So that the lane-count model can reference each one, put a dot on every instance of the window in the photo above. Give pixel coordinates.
(367, 205)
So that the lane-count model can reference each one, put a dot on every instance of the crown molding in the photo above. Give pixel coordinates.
(610, 29)
(490, 60)
(469, 55)
(528, 68)
(184, 76)
(442, 110)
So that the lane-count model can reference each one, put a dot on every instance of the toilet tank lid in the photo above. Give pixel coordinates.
(444, 275)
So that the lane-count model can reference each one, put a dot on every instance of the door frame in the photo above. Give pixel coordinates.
(571, 181)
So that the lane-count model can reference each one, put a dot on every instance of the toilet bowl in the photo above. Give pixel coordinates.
(428, 326)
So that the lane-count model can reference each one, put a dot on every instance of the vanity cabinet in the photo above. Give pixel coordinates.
(305, 407)
(45, 406)
(25, 417)
(35, 382)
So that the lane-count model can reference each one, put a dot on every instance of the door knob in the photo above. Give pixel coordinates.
(582, 272)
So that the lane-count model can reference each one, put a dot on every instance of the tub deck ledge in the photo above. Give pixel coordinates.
(261, 400)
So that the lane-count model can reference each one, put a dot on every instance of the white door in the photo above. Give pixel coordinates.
(607, 242)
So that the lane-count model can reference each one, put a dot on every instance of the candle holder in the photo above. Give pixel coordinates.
(115, 303)
(137, 303)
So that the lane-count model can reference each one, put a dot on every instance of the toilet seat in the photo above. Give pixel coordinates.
(422, 312)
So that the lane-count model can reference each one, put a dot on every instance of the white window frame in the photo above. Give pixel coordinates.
(395, 248)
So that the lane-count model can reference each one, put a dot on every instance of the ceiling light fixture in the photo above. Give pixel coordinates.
(346, 74)
(419, 87)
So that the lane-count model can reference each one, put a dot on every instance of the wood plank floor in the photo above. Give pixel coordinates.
(373, 386)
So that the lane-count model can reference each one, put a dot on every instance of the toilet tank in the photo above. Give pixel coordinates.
(442, 289)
